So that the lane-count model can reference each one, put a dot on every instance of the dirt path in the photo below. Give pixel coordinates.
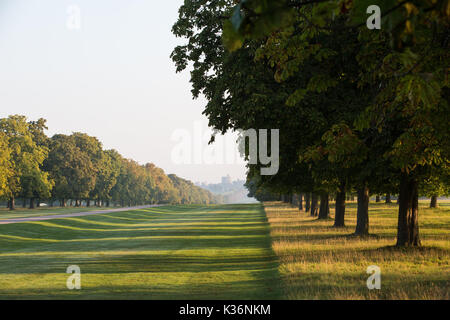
(77, 214)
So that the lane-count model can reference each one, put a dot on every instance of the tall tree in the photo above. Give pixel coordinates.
(108, 170)
(5, 165)
(26, 162)
(71, 164)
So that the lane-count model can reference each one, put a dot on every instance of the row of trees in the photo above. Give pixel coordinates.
(359, 110)
(76, 167)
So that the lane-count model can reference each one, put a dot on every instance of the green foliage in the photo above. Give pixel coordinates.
(108, 169)
(5, 164)
(253, 19)
(71, 163)
(257, 190)
(342, 147)
(76, 167)
(26, 158)
(412, 47)
(188, 193)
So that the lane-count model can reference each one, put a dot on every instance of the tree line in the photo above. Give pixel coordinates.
(76, 170)
(359, 111)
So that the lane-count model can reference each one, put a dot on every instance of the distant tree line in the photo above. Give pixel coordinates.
(75, 170)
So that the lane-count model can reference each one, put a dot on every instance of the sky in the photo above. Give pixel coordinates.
(103, 67)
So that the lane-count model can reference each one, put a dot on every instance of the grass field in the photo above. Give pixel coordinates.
(43, 211)
(318, 261)
(216, 252)
(221, 252)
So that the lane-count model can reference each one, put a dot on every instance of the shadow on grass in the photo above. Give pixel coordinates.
(263, 287)
(330, 286)
(424, 250)
(222, 244)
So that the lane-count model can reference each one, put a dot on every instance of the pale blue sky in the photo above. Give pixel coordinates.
(112, 79)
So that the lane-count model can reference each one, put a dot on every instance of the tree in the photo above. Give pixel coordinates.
(108, 170)
(38, 184)
(60, 164)
(88, 163)
(436, 186)
(188, 193)
(5, 165)
(165, 191)
(257, 190)
(26, 162)
(339, 214)
(71, 165)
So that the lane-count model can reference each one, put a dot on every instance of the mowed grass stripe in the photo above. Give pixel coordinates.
(186, 252)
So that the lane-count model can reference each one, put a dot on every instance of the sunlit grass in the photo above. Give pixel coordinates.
(182, 252)
(223, 252)
(318, 261)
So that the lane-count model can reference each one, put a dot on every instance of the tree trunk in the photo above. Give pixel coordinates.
(300, 201)
(314, 201)
(388, 198)
(324, 206)
(362, 214)
(88, 202)
(433, 203)
(408, 213)
(63, 203)
(24, 203)
(107, 203)
(307, 202)
(378, 199)
(38, 203)
(12, 204)
(31, 203)
(339, 215)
